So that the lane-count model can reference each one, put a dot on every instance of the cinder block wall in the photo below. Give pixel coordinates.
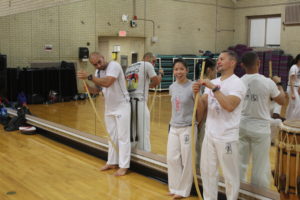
(181, 27)
(290, 40)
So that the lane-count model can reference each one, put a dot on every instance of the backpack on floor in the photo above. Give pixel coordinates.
(17, 121)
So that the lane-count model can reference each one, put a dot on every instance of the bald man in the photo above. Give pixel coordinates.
(140, 76)
(110, 77)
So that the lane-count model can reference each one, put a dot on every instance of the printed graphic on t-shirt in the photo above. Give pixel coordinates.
(177, 103)
(132, 77)
(250, 96)
(215, 105)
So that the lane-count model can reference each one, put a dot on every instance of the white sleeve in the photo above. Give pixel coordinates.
(293, 70)
(238, 89)
(150, 70)
(277, 108)
(113, 70)
(170, 89)
(206, 90)
(96, 73)
(274, 89)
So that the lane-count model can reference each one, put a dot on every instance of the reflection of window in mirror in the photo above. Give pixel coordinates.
(134, 58)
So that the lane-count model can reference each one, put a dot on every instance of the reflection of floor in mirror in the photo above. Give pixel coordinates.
(34, 167)
(80, 115)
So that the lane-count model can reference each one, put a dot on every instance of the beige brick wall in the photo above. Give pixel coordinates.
(181, 26)
(290, 41)
(45, 30)
(186, 27)
(4, 35)
(9, 7)
(20, 39)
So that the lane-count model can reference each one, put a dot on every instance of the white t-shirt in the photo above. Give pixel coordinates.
(222, 125)
(295, 71)
(257, 104)
(116, 94)
(138, 77)
(275, 108)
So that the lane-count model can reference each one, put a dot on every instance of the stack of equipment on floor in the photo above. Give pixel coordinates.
(36, 83)
(3, 76)
(280, 62)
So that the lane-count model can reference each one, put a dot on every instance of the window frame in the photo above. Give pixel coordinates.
(249, 18)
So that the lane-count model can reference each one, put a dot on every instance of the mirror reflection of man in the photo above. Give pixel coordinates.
(110, 77)
(223, 99)
(140, 77)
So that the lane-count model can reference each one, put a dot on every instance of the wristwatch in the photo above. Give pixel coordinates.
(279, 83)
(90, 77)
(216, 88)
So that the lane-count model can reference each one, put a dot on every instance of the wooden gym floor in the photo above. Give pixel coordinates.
(80, 115)
(34, 167)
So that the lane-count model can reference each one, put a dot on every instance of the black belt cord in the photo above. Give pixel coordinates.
(136, 119)
(131, 132)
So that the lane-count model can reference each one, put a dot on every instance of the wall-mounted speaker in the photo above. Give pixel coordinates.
(83, 53)
(3, 62)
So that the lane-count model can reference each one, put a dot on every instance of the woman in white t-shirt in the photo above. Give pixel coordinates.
(179, 156)
(293, 109)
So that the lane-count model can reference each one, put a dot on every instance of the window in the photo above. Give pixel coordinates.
(264, 31)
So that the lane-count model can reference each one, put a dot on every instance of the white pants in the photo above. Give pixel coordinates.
(118, 127)
(140, 125)
(258, 145)
(200, 138)
(293, 109)
(179, 160)
(225, 154)
(275, 127)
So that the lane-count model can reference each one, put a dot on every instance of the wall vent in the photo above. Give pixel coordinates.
(292, 14)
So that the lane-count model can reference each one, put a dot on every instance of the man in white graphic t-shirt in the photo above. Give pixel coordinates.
(255, 129)
(140, 77)
(223, 98)
(110, 77)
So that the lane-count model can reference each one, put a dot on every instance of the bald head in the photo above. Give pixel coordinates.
(149, 57)
(96, 55)
(97, 60)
